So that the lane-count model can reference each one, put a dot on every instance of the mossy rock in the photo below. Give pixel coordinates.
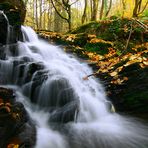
(132, 96)
(13, 7)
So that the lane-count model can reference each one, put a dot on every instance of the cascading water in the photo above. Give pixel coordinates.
(69, 112)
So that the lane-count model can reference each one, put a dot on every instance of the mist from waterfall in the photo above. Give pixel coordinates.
(94, 127)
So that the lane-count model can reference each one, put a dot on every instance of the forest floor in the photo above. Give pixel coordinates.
(117, 50)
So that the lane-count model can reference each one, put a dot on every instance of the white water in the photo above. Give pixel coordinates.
(96, 127)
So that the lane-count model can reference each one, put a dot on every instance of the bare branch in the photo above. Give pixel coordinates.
(143, 8)
(58, 11)
(60, 4)
(74, 2)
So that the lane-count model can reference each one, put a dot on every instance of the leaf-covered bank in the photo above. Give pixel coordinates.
(117, 50)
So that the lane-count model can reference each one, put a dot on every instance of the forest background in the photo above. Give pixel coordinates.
(64, 15)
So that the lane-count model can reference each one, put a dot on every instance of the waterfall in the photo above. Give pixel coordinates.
(69, 112)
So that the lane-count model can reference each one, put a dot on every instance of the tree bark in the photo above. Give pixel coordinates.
(84, 13)
(95, 4)
(36, 14)
(102, 9)
(137, 8)
(109, 8)
(67, 7)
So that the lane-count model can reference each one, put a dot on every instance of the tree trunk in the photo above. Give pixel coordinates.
(109, 8)
(102, 9)
(137, 8)
(36, 14)
(84, 13)
(124, 7)
(40, 26)
(95, 4)
(69, 17)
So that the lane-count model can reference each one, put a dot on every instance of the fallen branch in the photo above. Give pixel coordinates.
(141, 24)
(95, 73)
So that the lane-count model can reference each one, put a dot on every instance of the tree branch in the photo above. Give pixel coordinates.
(74, 2)
(60, 4)
(127, 43)
(58, 11)
(143, 8)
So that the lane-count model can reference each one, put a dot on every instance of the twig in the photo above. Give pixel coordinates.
(141, 24)
(127, 43)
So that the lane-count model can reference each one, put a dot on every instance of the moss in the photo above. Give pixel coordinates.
(98, 45)
(87, 28)
(81, 39)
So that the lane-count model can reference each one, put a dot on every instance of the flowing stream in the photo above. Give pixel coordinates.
(57, 83)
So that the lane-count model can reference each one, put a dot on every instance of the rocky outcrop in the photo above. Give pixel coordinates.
(17, 129)
(3, 29)
(132, 95)
(14, 6)
(50, 93)
(12, 15)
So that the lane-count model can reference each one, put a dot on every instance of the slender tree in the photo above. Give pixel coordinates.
(102, 9)
(40, 14)
(36, 14)
(137, 8)
(85, 12)
(94, 9)
(124, 7)
(105, 8)
(66, 4)
(109, 8)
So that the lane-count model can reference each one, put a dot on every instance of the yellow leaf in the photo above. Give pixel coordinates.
(145, 63)
(13, 146)
(113, 73)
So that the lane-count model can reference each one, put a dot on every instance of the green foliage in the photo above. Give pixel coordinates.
(118, 52)
(100, 48)
(81, 39)
(145, 13)
(87, 28)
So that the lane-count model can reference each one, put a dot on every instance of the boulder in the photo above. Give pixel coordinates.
(15, 124)
(3, 29)
(14, 6)
(12, 15)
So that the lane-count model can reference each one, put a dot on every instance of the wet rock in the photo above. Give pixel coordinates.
(131, 96)
(54, 96)
(48, 90)
(3, 29)
(66, 113)
(15, 124)
(2, 53)
(16, 7)
(31, 69)
(12, 15)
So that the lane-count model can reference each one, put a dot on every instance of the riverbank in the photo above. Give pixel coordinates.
(117, 50)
